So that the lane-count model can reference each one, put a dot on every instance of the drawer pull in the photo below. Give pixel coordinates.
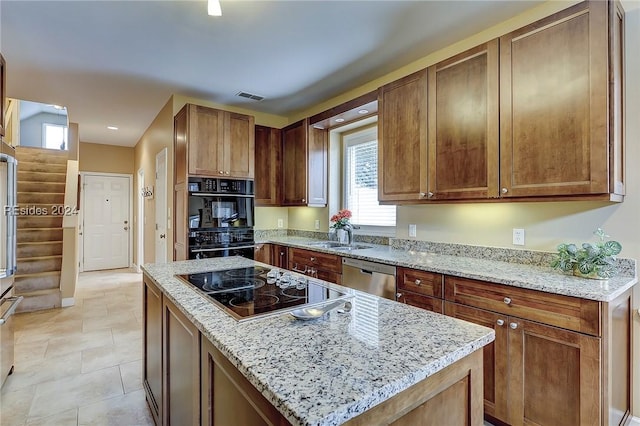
(398, 296)
(513, 325)
(500, 322)
(418, 282)
(313, 259)
(507, 300)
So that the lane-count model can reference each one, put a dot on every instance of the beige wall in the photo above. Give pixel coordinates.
(106, 158)
(158, 136)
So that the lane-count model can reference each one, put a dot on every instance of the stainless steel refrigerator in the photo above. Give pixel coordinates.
(8, 220)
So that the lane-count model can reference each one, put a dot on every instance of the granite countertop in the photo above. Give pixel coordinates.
(329, 370)
(532, 277)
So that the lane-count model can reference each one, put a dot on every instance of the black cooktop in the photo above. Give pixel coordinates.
(246, 293)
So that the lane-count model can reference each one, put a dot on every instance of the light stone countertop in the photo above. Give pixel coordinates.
(329, 370)
(514, 274)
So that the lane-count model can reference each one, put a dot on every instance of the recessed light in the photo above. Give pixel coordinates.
(112, 128)
(339, 120)
(363, 111)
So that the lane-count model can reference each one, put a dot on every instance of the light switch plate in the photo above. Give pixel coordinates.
(518, 236)
(412, 230)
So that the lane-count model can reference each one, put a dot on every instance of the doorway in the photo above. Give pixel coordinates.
(106, 207)
(161, 207)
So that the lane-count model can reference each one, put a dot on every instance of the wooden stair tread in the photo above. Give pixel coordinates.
(38, 292)
(38, 274)
(53, 256)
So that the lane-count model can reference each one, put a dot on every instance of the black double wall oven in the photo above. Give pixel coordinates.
(221, 218)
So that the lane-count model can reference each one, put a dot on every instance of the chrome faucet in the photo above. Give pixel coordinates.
(349, 228)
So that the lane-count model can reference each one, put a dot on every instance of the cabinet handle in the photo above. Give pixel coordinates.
(507, 300)
(418, 281)
(398, 296)
(505, 190)
(304, 200)
(313, 259)
(513, 325)
(281, 253)
(227, 173)
(429, 194)
(423, 194)
(221, 172)
(500, 322)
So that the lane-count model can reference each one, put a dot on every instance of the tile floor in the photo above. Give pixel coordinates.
(81, 365)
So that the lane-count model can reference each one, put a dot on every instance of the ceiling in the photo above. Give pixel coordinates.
(118, 62)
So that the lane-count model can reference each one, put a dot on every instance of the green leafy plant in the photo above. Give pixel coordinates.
(594, 260)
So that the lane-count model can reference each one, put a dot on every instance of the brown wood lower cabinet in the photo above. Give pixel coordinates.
(228, 398)
(540, 374)
(152, 356)
(325, 266)
(180, 368)
(262, 253)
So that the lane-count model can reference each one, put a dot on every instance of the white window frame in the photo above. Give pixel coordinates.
(353, 138)
(65, 131)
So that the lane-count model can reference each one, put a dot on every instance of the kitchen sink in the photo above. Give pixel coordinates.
(337, 246)
(352, 247)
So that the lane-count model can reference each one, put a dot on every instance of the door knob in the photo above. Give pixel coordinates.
(163, 235)
(126, 221)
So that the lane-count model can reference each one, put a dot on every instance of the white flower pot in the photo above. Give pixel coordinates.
(343, 238)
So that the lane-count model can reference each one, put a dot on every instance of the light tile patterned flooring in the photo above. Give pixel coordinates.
(81, 365)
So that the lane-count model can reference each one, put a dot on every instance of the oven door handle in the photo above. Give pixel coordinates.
(14, 305)
(222, 248)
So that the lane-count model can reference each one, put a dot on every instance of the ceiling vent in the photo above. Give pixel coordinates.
(250, 96)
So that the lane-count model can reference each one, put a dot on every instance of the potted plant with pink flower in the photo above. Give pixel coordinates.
(342, 225)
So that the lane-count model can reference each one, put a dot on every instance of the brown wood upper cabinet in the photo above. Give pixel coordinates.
(212, 142)
(268, 166)
(560, 104)
(3, 94)
(463, 126)
(402, 138)
(304, 165)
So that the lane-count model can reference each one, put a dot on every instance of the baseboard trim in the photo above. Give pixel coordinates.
(68, 301)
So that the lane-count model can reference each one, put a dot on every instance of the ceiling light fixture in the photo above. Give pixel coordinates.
(112, 128)
(339, 120)
(363, 111)
(213, 8)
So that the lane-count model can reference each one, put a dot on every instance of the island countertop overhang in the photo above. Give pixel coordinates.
(330, 370)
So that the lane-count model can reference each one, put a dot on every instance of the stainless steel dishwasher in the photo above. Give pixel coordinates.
(370, 277)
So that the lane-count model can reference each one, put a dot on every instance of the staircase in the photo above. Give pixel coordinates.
(41, 186)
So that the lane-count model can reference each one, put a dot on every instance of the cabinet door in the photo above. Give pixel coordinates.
(425, 302)
(205, 141)
(181, 362)
(279, 256)
(294, 164)
(317, 173)
(554, 376)
(402, 138)
(463, 125)
(262, 253)
(228, 398)
(268, 166)
(494, 356)
(239, 146)
(3, 81)
(554, 105)
(422, 282)
(180, 229)
(180, 149)
(152, 338)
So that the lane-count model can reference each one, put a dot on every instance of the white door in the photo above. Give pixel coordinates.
(161, 206)
(141, 222)
(106, 222)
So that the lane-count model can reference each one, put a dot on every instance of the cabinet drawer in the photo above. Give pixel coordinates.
(562, 311)
(317, 260)
(422, 282)
(425, 302)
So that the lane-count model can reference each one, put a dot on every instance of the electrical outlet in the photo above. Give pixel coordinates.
(412, 230)
(317, 224)
(518, 236)
(280, 223)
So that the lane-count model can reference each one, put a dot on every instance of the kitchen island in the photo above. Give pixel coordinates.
(380, 362)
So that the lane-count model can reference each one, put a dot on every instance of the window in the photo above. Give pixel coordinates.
(54, 136)
(360, 182)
